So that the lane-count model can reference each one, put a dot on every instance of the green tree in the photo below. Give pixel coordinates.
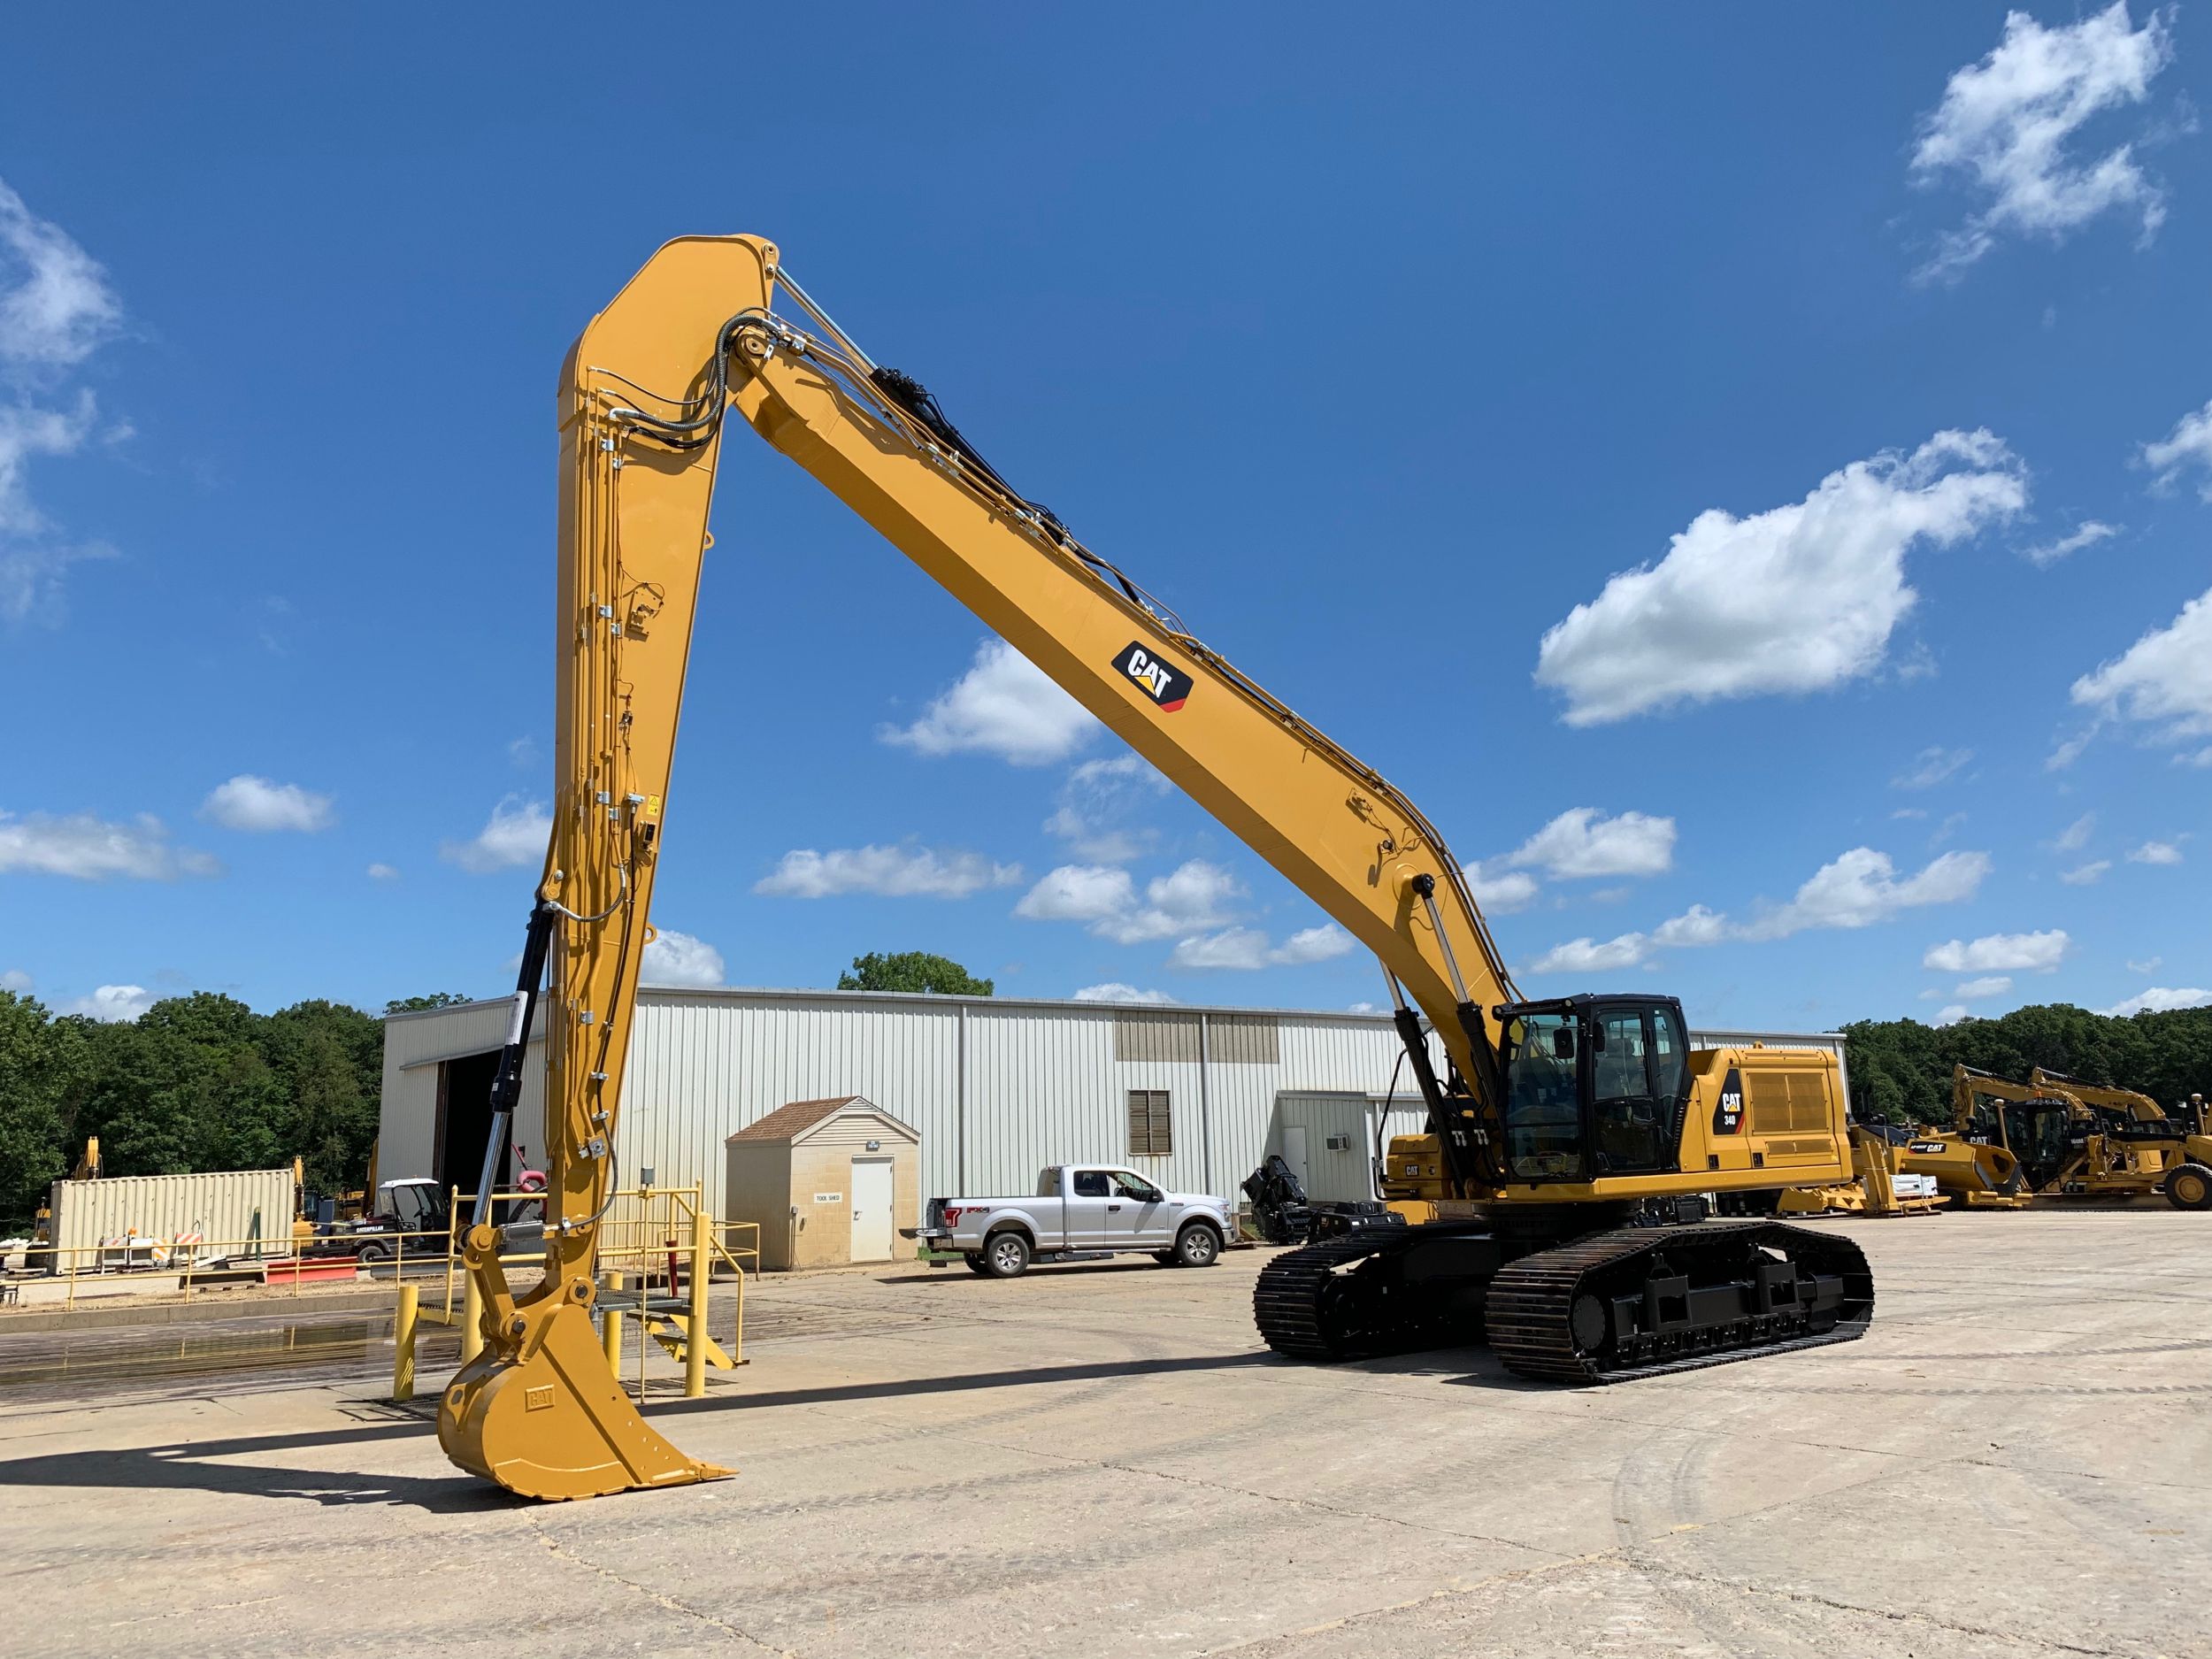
(42, 1073)
(911, 971)
(436, 999)
(328, 1059)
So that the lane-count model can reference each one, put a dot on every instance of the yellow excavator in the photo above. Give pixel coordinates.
(2083, 1140)
(1555, 1127)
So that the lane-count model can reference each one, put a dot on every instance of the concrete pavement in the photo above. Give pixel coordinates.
(1098, 1460)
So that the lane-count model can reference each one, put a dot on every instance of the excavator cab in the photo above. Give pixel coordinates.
(1594, 1085)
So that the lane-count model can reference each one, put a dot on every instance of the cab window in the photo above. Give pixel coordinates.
(1543, 1097)
(1090, 1183)
(1135, 1186)
(1049, 1182)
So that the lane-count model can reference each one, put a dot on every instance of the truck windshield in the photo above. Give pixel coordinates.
(1543, 1097)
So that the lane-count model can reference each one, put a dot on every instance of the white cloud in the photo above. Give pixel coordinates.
(1988, 986)
(2006, 123)
(2188, 444)
(1909, 812)
(1499, 892)
(56, 307)
(1931, 767)
(92, 849)
(2160, 1000)
(517, 833)
(382, 872)
(110, 1004)
(260, 805)
(1003, 706)
(2154, 853)
(1952, 1015)
(892, 872)
(1587, 956)
(1799, 598)
(1196, 896)
(2086, 875)
(16, 980)
(1362, 1008)
(2076, 836)
(2163, 681)
(1104, 808)
(1696, 925)
(2000, 953)
(1248, 947)
(2150, 966)
(680, 959)
(2089, 534)
(1583, 841)
(1861, 889)
(1114, 991)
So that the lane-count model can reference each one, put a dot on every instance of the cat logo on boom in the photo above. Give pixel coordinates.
(1728, 1115)
(1169, 687)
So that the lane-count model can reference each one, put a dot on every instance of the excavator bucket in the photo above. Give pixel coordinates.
(542, 1415)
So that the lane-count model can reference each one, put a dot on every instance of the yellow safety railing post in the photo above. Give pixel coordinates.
(403, 1344)
(610, 1330)
(695, 1344)
(471, 1318)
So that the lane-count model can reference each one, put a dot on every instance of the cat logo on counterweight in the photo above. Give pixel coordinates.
(1169, 687)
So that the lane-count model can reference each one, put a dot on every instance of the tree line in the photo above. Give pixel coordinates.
(1900, 1069)
(197, 1082)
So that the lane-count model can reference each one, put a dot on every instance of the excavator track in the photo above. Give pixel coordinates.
(1644, 1301)
(1640, 1302)
(1345, 1298)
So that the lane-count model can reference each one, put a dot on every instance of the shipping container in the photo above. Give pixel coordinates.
(223, 1206)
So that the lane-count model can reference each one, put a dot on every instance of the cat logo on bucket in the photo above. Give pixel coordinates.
(1169, 687)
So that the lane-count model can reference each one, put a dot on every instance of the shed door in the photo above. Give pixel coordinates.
(872, 1230)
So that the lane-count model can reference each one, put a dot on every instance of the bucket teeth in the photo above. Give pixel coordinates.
(549, 1421)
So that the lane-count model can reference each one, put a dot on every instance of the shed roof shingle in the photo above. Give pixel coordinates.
(788, 1123)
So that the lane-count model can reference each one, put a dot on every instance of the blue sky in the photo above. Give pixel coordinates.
(1743, 473)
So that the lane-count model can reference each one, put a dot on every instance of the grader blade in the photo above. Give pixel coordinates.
(540, 1413)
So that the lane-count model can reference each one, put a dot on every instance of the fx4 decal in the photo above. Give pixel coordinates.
(1169, 687)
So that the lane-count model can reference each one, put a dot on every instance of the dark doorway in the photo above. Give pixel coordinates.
(465, 1122)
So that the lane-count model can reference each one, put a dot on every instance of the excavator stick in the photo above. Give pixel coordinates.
(538, 1412)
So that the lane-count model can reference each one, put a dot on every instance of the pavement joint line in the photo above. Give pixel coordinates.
(659, 1598)
(1898, 1615)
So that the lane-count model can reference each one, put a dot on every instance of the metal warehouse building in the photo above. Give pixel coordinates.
(1192, 1097)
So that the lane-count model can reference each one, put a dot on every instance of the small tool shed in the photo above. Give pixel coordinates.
(830, 1181)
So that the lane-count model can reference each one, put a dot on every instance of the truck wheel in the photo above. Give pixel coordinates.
(2190, 1187)
(976, 1264)
(1005, 1255)
(373, 1254)
(1198, 1244)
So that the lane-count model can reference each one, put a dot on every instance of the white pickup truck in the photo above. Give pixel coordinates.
(1078, 1210)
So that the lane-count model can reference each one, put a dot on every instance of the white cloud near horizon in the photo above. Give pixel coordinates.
(891, 872)
(1797, 599)
(110, 1004)
(1193, 898)
(1584, 842)
(1988, 986)
(681, 959)
(2006, 123)
(262, 806)
(2000, 953)
(2159, 999)
(1248, 947)
(1002, 705)
(90, 849)
(1859, 889)
(1114, 991)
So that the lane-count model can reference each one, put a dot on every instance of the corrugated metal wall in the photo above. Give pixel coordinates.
(222, 1206)
(1042, 1082)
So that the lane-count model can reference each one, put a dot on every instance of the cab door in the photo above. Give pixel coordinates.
(1637, 1057)
(1137, 1213)
(1086, 1204)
